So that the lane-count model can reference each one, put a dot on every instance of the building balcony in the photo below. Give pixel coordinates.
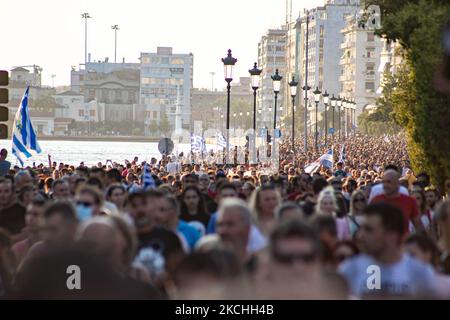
(347, 61)
(370, 76)
(371, 44)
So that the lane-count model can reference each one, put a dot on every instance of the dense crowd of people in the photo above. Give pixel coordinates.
(368, 227)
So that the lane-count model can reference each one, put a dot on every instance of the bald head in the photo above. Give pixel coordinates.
(391, 183)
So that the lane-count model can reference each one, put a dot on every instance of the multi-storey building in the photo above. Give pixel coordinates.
(166, 78)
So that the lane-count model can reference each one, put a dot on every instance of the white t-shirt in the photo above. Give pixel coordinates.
(257, 241)
(173, 167)
(378, 189)
(407, 278)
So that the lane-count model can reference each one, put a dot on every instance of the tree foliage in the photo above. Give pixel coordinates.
(417, 105)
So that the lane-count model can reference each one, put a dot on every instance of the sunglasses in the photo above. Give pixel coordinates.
(291, 258)
(85, 204)
(359, 200)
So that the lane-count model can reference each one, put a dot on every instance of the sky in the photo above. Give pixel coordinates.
(50, 33)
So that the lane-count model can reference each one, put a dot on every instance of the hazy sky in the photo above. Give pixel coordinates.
(50, 33)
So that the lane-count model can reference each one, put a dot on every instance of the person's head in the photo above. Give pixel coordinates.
(295, 249)
(264, 201)
(34, 216)
(109, 237)
(351, 186)
(247, 189)
(419, 195)
(326, 229)
(233, 223)
(336, 183)
(22, 178)
(117, 194)
(345, 250)
(423, 179)
(432, 196)
(381, 229)
(226, 190)
(391, 183)
(289, 211)
(192, 200)
(60, 222)
(61, 190)
(206, 275)
(137, 208)
(422, 247)
(26, 195)
(168, 217)
(326, 203)
(113, 176)
(6, 192)
(319, 184)
(204, 182)
(3, 154)
(189, 180)
(89, 200)
(263, 179)
(358, 202)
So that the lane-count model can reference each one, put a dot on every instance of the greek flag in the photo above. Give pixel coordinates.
(197, 143)
(221, 140)
(342, 154)
(24, 140)
(147, 179)
(325, 160)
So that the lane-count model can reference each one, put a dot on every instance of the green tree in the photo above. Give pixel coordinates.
(153, 128)
(417, 105)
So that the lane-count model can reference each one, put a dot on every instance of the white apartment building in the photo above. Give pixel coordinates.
(165, 77)
(360, 63)
(271, 56)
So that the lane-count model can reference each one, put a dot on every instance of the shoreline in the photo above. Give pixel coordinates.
(98, 139)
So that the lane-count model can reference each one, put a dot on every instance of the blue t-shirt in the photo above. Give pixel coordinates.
(211, 228)
(405, 279)
(4, 167)
(189, 232)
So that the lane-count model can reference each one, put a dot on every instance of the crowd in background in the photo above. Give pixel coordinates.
(208, 231)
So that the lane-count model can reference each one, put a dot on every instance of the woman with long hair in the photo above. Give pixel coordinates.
(263, 203)
(327, 205)
(358, 203)
(425, 214)
(193, 207)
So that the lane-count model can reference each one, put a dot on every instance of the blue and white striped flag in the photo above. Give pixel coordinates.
(24, 140)
(147, 179)
(325, 160)
(197, 143)
(221, 140)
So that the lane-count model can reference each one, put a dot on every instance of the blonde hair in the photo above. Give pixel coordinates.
(255, 198)
(327, 192)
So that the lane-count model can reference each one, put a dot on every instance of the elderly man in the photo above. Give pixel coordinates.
(233, 226)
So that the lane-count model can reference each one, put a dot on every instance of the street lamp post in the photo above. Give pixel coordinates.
(317, 94)
(354, 118)
(276, 79)
(344, 109)
(85, 16)
(339, 105)
(115, 28)
(333, 106)
(326, 98)
(228, 63)
(306, 87)
(255, 74)
(293, 85)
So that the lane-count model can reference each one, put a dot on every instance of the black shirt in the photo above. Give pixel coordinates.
(13, 218)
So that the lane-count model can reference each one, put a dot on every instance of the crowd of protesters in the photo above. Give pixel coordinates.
(369, 227)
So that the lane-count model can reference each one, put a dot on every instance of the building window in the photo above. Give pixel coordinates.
(370, 86)
(177, 61)
(91, 94)
(370, 36)
(80, 112)
(118, 96)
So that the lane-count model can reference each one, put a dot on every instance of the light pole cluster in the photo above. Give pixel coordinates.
(344, 105)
